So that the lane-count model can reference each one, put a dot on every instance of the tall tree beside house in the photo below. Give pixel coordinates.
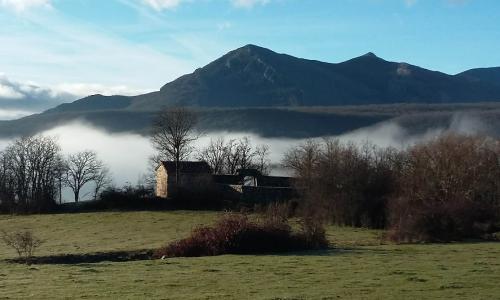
(229, 157)
(262, 161)
(173, 133)
(82, 168)
(215, 155)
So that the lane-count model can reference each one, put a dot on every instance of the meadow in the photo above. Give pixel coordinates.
(360, 265)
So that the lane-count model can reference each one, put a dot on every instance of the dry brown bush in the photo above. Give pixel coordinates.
(448, 189)
(236, 234)
(344, 183)
(23, 242)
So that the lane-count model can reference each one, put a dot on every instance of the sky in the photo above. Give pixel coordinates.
(60, 50)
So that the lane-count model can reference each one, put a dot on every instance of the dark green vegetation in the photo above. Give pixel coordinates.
(360, 266)
(253, 89)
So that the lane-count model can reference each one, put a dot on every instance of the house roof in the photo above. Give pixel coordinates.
(191, 167)
(227, 179)
(275, 181)
(249, 172)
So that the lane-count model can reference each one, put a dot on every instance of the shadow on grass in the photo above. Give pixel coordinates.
(139, 255)
(70, 259)
(147, 254)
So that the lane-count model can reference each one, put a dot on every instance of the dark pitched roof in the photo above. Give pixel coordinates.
(191, 167)
(275, 181)
(249, 172)
(227, 179)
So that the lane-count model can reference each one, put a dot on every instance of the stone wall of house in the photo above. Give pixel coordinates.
(161, 182)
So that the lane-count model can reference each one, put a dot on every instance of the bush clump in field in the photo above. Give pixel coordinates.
(448, 189)
(237, 234)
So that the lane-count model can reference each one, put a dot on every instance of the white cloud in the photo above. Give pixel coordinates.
(7, 92)
(85, 89)
(22, 5)
(33, 97)
(29, 95)
(248, 3)
(162, 4)
(11, 114)
(72, 56)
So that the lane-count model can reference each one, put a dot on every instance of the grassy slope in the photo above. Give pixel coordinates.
(363, 269)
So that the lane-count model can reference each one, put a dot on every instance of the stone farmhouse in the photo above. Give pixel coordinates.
(190, 173)
(247, 185)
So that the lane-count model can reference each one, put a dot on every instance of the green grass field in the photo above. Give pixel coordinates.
(359, 267)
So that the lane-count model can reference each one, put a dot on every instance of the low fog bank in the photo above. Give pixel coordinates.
(127, 154)
(392, 134)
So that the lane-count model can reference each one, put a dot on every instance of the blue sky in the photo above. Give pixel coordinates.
(132, 46)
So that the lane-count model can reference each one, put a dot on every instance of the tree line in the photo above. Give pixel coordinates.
(444, 189)
(33, 173)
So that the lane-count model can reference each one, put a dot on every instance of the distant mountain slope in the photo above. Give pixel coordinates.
(252, 76)
(93, 103)
(485, 75)
(255, 76)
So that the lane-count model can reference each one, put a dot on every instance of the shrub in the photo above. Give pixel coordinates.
(126, 198)
(448, 189)
(236, 234)
(24, 242)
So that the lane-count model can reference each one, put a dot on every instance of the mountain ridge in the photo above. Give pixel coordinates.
(253, 76)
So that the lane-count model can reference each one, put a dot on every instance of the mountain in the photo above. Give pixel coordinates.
(253, 76)
(258, 90)
(485, 75)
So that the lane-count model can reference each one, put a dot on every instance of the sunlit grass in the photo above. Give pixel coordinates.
(361, 265)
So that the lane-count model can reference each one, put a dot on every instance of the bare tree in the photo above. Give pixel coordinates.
(59, 175)
(83, 167)
(262, 159)
(232, 157)
(102, 180)
(29, 166)
(24, 242)
(239, 155)
(173, 133)
(246, 153)
(215, 155)
(229, 157)
(7, 185)
(303, 160)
